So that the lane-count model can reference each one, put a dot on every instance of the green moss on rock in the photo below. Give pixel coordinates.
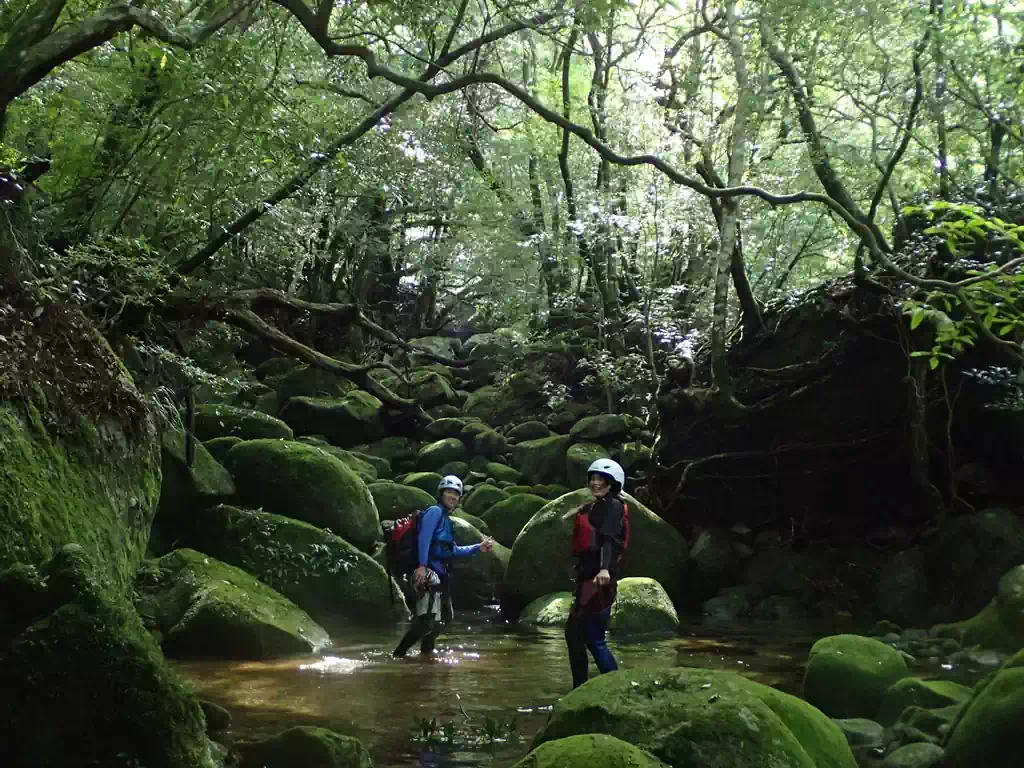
(366, 471)
(206, 608)
(542, 461)
(502, 473)
(473, 520)
(345, 422)
(84, 683)
(482, 498)
(695, 717)
(394, 500)
(988, 731)
(593, 750)
(911, 691)
(605, 429)
(304, 746)
(642, 606)
(321, 573)
(305, 483)
(435, 455)
(529, 430)
(309, 381)
(848, 675)
(425, 481)
(541, 560)
(219, 447)
(508, 517)
(439, 429)
(490, 444)
(475, 579)
(214, 420)
(98, 489)
(548, 611)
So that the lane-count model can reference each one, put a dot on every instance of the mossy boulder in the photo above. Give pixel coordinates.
(541, 561)
(219, 446)
(309, 381)
(205, 608)
(508, 517)
(275, 367)
(395, 449)
(542, 461)
(911, 691)
(304, 746)
(483, 498)
(432, 389)
(550, 491)
(849, 675)
(366, 471)
(697, 717)
(305, 483)
(439, 429)
(380, 465)
(1000, 624)
(473, 520)
(642, 606)
(321, 573)
(592, 750)
(528, 430)
(988, 730)
(394, 500)
(548, 611)
(435, 455)
(915, 756)
(634, 457)
(475, 579)
(345, 422)
(98, 488)
(458, 468)
(214, 420)
(503, 473)
(83, 682)
(473, 428)
(578, 459)
(425, 481)
(490, 444)
(605, 429)
(714, 564)
(497, 406)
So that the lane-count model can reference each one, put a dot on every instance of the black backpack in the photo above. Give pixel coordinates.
(400, 538)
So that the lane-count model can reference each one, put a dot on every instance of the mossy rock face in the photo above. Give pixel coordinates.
(529, 430)
(394, 500)
(321, 573)
(550, 491)
(304, 746)
(634, 457)
(472, 429)
(496, 406)
(476, 522)
(483, 498)
(503, 473)
(592, 750)
(439, 429)
(642, 606)
(309, 381)
(219, 447)
(541, 560)
(228, 421)
(275, 368)
(303, 482)
(548, 611)
(380, 465)
(206, 608)
(605, 429)
(366, 471)
(425, 481)
(490, 444)
(98, 489)
(354, 419)
(542, 461)
(399, 451)
(435, 455)
(910, 691)
(431, 389)
(1009, 602)
(458, 468)
(849, 675)
(84, 683)
(578, 459)
(475, 579)
(986, 629)
(507, 518)
(696, 717)
(988, 731)
(915, 756)
(185, 491)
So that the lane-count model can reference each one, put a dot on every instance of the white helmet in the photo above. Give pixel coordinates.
(610, 468)
(450, 482)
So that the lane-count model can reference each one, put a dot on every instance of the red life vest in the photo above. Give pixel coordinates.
(584, 535)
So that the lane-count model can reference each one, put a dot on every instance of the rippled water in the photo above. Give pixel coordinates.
(485, 670)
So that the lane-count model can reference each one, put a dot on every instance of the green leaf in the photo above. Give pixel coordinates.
(933, 363)
(917, 317)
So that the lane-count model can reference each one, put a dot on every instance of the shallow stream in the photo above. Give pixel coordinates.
(487, 675)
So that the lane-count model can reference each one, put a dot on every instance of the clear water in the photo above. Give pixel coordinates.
(485, 670)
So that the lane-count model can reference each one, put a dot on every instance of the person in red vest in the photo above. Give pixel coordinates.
(600, 537)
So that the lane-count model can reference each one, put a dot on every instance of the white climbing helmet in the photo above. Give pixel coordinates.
(610, 468)
(450, 482)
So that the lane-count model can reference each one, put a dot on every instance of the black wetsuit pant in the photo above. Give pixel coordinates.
(583, 632)
(425, 627)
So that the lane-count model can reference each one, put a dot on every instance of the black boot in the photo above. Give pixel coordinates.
(421, 626)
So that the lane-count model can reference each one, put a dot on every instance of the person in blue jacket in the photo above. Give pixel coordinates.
(434, 546)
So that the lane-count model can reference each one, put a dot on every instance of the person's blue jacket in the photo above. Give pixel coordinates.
(437, 540)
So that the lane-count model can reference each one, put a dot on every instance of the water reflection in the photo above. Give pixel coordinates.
(485, 670)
